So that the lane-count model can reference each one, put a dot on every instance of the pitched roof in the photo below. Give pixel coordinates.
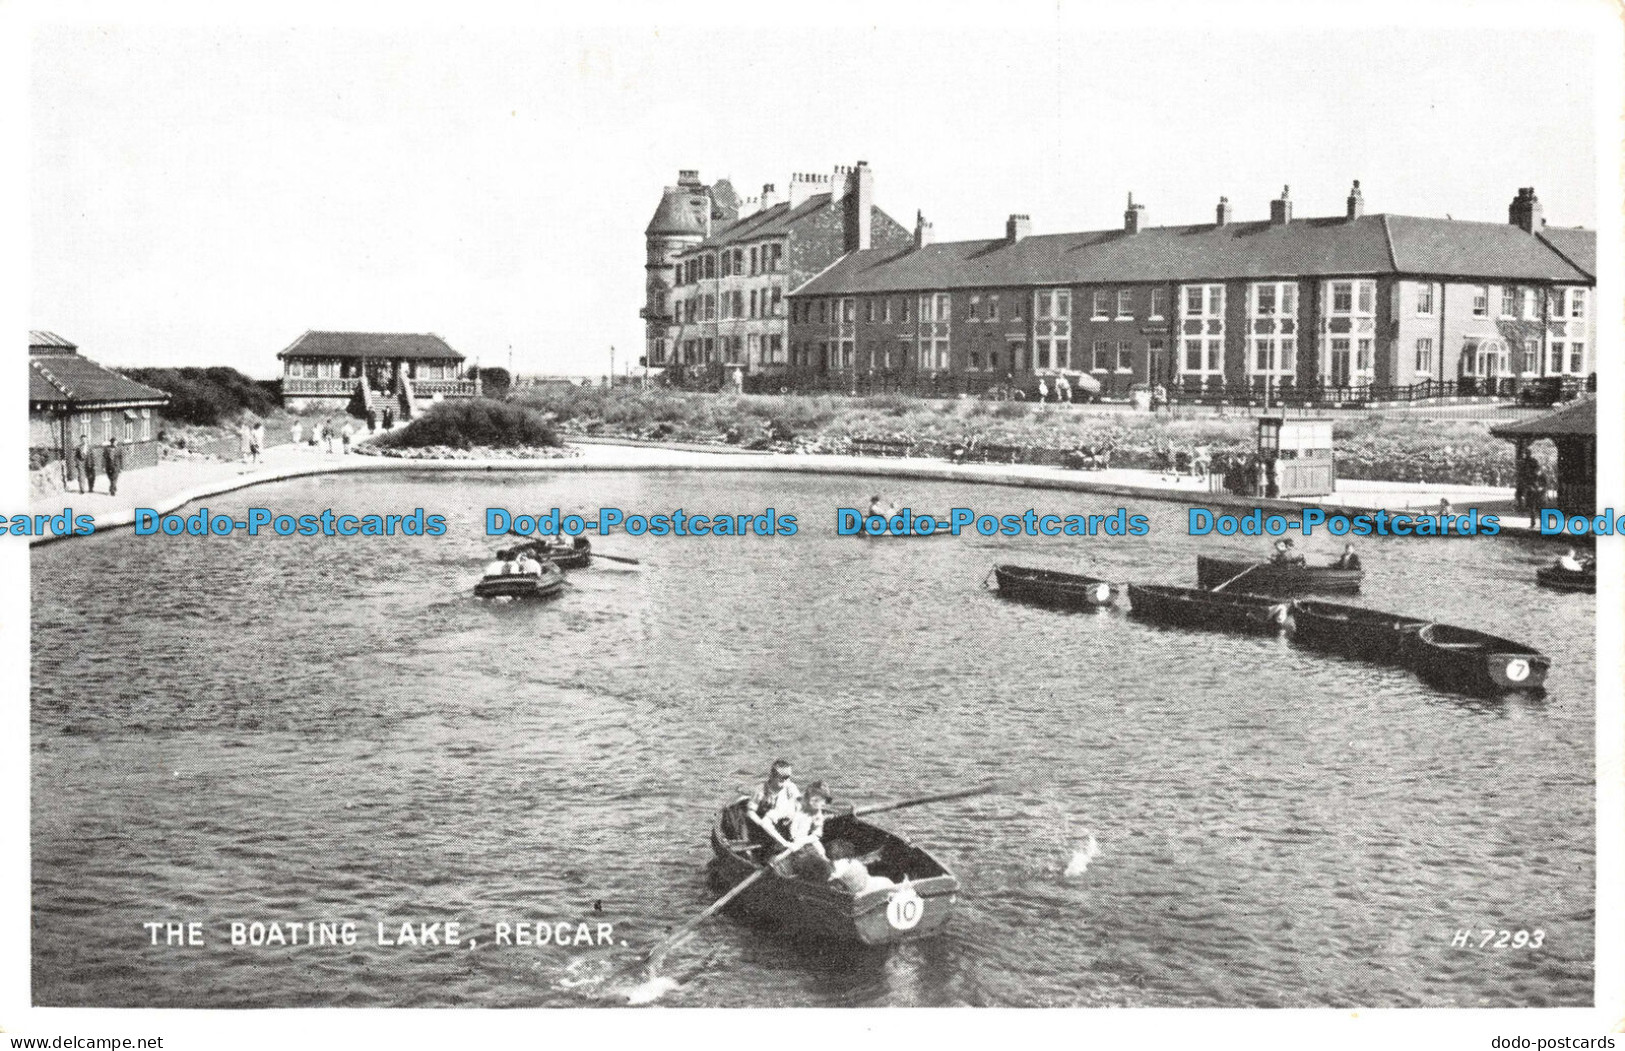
(768, 222)
(68, 379)
(49, 342)
(1578, 246)
(1371, 244)
(681, 211)
(1468, 249)
(1577, 419)
(370, 345)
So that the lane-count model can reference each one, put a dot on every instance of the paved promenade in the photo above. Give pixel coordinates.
(174, 484)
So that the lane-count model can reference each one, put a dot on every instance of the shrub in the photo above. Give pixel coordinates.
(476, 422)
(207, 396)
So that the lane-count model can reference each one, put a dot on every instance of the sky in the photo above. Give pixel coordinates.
(203, 193)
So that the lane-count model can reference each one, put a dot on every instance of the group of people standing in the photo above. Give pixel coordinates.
(322, 433)
(87, 458)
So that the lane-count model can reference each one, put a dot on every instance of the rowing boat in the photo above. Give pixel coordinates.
(1473, 662)
(575, 553)
(1559, 579)
(909, 894)
(1277, 578)
(1353, 630)
(1049, 587)
(1221, 610)
(546, 584)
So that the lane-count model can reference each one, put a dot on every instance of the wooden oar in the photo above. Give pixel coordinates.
(964, 793)
(669, 942)
(617, 558)
(1238, 576)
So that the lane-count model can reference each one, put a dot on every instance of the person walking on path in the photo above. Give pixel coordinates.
(245, 440)
(324, 434)
(347, 434)
(113, 464)
(1063, 389)
(297, 432)
(84, 465)
(256, 440)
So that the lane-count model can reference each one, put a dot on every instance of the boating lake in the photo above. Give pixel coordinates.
(321, 729)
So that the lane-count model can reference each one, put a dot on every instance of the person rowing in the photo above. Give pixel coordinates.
(1348, 559)
(876, 508)
(1286, 553)
(770, 809)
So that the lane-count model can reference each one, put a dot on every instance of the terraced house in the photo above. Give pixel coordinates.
(1346, 307)
(719, 267)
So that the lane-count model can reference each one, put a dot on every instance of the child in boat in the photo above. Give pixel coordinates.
(770, 807)
(806, 831)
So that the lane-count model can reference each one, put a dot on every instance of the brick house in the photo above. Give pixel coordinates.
(69, 395)
(718, 275)
(1343, 307)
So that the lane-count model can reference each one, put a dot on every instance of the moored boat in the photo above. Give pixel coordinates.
(1277, 578)
(1474, 662)
(1049, 587)
(1559, 579)
(909, 894)
(1353, 630)
(1221, 610)
(546, 584)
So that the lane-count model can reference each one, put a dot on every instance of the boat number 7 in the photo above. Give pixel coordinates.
(1517, 670)
(904, 908)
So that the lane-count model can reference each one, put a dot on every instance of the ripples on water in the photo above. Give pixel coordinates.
(321, 729)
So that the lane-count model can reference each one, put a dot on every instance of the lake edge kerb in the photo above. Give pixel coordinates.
(978, 474)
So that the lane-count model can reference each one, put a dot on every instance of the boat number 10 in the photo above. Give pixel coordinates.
(904, 909)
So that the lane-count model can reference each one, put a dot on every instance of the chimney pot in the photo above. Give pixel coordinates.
(923, 231)
(1525, 210)
(1133, 216)
(1281, 208)
(1356, 201)
(1222, 213)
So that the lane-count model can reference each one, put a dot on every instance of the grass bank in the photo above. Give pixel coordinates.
(1380, 449)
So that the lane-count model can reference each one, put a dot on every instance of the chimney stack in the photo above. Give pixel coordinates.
(838, 182)
(923, 231)
(1017, 227)
(1133, 216)
(688, 178)
(860, 202)
(804, 185)
(1524, 212)
(770, 195)
(1356, 201)
(1281, 208)
(1222, 214)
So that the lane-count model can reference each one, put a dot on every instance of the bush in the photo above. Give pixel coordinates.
(205, 397)
(475, 423)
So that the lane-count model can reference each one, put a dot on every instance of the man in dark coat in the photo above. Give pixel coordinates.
(112, 463)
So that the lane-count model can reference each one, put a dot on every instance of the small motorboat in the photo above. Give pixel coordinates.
(1277, 578)
(1469, 661)
(1556, 577)
(1218, 610)
(546, 584)
(1049, 587)
(908, 895)
(1353, 631)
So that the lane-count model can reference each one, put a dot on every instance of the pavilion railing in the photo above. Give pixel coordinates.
(313, 385)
